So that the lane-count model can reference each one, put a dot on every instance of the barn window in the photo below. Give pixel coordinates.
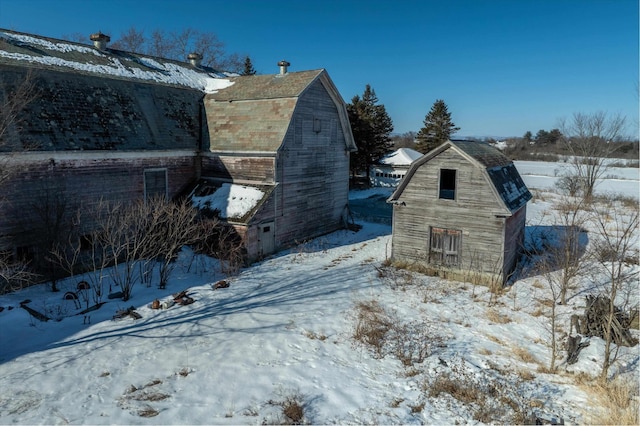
(447, 184)
(155, 183)
(445, 246)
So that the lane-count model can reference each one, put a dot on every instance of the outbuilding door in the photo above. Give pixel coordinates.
(266, 238)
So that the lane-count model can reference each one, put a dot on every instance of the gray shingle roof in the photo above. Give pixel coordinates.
(258, 87)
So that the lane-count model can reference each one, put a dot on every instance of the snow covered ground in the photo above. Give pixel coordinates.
(282, 332)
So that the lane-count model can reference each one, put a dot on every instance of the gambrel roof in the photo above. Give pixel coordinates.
(254, 113)
(500, 172)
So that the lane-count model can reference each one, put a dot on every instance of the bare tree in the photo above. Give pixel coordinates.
(616, 250)
(177, 45)
(565, 252)
(591, 139)
(173, 225)
(14, 98)
(51, 225)
(131, 40)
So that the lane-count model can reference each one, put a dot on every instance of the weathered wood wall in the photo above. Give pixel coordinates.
(514, 239)
(312, 171)
(247, 167)
(81, 180)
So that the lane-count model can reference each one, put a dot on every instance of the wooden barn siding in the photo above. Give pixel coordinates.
(472, 213)
(84, 182)
(313, 171)
(514, 239)
(235, 167)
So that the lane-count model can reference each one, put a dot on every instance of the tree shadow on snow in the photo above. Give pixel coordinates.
(548, 248)
(254, 306)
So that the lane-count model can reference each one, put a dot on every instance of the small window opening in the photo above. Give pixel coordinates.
(266, 229)
(447, 184)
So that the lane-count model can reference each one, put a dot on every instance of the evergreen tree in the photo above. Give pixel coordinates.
(248, 67)
(437, 129)
(371, 127)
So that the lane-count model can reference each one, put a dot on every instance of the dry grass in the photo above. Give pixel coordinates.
(538, 312)
(537, 284)
(496, 317)
(523, 354)
(526, 375)
(417, 408)
(614, 402)
(495, 339)
(489, 400)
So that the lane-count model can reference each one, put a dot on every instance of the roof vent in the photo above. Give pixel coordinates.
(283, 67)
(100, 40)
(195, 59)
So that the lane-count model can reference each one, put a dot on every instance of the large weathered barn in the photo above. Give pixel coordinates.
(108, 124)
(461, 211)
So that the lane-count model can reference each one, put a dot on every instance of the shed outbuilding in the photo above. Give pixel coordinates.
(392, 168)
(460, 212)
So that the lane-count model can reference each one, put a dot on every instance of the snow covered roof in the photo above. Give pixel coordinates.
(229, 201)
(401, 157)
(42, 52)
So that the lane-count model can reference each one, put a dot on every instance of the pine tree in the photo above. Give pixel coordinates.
(437, 129)
(248, 67)
(371, 127)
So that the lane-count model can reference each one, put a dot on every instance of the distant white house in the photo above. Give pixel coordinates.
(391, 168)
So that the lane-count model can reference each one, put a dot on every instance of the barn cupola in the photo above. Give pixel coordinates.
(283, 67)
(100, 40)
(195, 59)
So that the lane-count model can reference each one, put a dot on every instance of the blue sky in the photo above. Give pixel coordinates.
(503, 67)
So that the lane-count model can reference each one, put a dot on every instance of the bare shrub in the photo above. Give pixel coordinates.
(412, 343)
(293, 408)
(14, 274)
(224, 243)
(395, 278)
(372, 325)
(385, 334)
(490, 398)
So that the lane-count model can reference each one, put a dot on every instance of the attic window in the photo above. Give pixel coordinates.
(317, 125)
(447, 184)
